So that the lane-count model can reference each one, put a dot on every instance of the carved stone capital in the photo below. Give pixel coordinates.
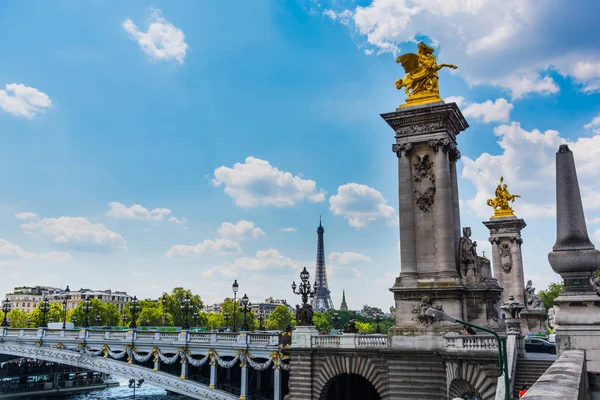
(494, 240)
(403, 149)
(453, 152)
(443, 144)
(516, 239)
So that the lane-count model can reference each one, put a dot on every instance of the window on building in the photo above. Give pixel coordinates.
(99, 297)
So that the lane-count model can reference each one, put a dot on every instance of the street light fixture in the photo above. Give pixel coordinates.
(260, 323)
(6, 307)
(124, 318)
(164, 307)
(226, 316)
(135, 385)
(87, 307)
(29, 322)
(336, 320)
(305, 314)
(44, 308)
(98, 319)
(186, 308)
(67, 297)
(235, 288)
(244, 309)
(74, 320)
(502, 359)
(135, 308)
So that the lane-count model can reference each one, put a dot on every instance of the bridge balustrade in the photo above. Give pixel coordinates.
(470, 343)
(352, 341)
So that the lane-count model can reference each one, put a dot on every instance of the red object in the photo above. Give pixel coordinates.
(522, 393)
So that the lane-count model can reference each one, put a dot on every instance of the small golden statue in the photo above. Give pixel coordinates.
(421, 80)
(500, 203)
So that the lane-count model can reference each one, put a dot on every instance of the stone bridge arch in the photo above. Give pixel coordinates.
(334, 366)
(464, 377)
(110, 366)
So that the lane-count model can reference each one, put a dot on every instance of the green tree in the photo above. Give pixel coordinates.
(55, 314)
(322, 321)
(228, 306)
(214, 320)
(550, 294)
(109, 314)
(365, 327)
(279, 318)
(175, 300)
(17, 318)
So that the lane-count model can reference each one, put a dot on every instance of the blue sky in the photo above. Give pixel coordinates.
(148, 145)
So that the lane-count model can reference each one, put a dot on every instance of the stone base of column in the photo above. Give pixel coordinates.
(302, 336)
(534, 321)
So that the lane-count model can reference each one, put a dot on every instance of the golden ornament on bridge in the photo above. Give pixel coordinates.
(500, 202)
(421, 80)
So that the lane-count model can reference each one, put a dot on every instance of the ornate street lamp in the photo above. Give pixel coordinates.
(6, 307)
(377, 321)
(164, 307)
(235, 288)
(98, 319)
(186, 307)
(260, 323)
(304, 314)
(87, 307)
(135, 308)
(245, 308)
(44, 308)
(74, 320)
(226, 316)
(124, 318)
(195, 318)
(336, 320)
(135, 385)
(51, 320)
(67, 297)
(29, 322)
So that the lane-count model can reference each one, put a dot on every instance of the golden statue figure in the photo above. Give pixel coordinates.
(500, 202)
(421, 80)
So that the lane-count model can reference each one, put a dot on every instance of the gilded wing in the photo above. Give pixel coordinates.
(409, 61)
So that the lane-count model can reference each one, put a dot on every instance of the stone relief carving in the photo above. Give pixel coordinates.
(533, 301)
(506, 258)
(424, 183)
(437, 144)
(402, 149)
(424, 127)
(468, 254)
(595, 282)
(420, 308)
(492, 310)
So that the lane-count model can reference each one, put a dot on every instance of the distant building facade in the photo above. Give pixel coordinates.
(368, 311)
(27, 298)
(270, 304)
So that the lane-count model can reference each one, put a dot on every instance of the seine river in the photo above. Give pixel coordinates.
(122, 392)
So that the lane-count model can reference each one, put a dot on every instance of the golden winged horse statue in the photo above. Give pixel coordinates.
(421, 80)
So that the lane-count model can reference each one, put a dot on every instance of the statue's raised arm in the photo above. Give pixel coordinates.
(421, 80)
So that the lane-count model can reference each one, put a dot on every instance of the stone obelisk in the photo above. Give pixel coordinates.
(575, 258)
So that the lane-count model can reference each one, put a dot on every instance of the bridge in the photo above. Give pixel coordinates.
(217, 366)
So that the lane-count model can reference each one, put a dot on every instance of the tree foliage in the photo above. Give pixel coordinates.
(16, 318)
(109, 314)
(550, 294)
(55, 314)
(214, 320)
(322, 321)
(175, 314)
(228, 306)
(279, 318)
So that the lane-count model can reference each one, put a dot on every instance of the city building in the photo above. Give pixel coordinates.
(27, 298)
(270, 304)
(368, 311)
(213, 308)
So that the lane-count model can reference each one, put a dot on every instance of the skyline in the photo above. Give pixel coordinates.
(154, 145)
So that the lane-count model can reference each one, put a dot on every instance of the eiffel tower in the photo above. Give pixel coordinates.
(322, 300)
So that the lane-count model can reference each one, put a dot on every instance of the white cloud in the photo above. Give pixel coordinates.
(256, 183)
(78, 233)
(182, 220)
(136, 211)
(56, 256)
(265, 259)
(26, 215)
(10, 252)
(162, 40)
(488, 111)
(241, 230)
(23, 101)
(289, 229)
(217, 246)
(491, 41)
(594, 124)
(527, 165)
(361, 205)
(459, 100)
(337, 261)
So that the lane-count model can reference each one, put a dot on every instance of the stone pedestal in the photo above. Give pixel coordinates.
(302, 336)
(507, 261)
(534, 321)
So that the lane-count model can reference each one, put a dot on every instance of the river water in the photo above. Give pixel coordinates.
(123, 391)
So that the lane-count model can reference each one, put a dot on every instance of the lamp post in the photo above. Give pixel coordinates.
(74, 320)
(124, 318)
(135, 385)
(377, 321)
(44, 308)
(67, 297)
(164, 307)
(226, 316)
(305, 313)
(235, 288)
(260, 323)
(29, 322)
(6, 307)
(135, 308)
(185, 307)
(502, 359)
(336, 320)
(87, 307)
(195, 317)
(244, 309)
(98, 319)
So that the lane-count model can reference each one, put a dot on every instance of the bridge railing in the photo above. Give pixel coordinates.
(351, 341)
(455, 342)
(243, 338)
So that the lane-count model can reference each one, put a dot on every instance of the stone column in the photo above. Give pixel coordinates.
(276, 382)
(408, 252)
(454, 155)
(244, 381)
(507, 261)
(184, 369)
(445, 241)
(213, 372)
(156, 363)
